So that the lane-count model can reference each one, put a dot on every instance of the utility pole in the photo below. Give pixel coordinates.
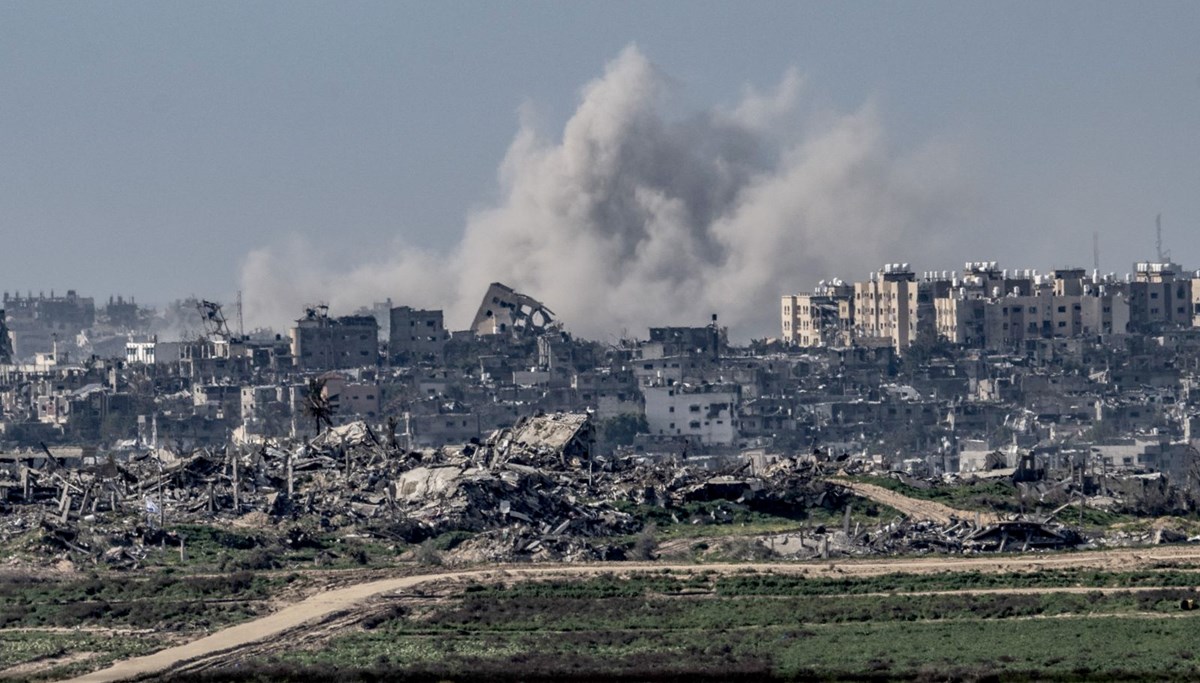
(290, 478)
(241, 331)
(162, 504)
(237, 501)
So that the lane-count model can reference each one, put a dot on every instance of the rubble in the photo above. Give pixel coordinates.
(534, 490)
(505, 311)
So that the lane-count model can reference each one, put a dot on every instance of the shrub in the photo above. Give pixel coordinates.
(645, 543)
(428, 554)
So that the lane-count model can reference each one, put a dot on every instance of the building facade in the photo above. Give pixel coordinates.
(416, 335)
(320, 342)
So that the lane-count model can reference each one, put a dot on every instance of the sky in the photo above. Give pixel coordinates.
(627, 163)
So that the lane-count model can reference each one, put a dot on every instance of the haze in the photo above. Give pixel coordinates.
(628, 164)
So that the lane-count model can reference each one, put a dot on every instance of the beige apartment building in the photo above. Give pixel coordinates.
(885, 305)
(988, 307)
(824, 317)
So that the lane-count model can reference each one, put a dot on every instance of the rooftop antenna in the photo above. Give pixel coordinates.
(1095, 252)
(1163, 256)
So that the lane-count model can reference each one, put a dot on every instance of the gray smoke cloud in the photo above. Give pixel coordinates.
(631, 217)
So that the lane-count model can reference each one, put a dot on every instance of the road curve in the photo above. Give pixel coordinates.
(325, 604)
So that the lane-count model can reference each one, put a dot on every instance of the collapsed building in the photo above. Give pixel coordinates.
(534, 490)
(504, 311)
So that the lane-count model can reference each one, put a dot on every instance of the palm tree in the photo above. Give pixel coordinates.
(316, 403)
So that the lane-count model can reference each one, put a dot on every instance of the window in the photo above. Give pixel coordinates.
(1062, 309)
(694, 424)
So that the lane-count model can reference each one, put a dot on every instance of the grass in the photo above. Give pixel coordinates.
(698, 625)
(17, 647)
(752, 583)
(721, 518)
(781, 585)
(219, 548)
(122, 615)
(664, 626)
(158, 601)
(999, 496)
(776, 643)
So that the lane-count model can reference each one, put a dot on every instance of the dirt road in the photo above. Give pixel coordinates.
(914, 507)
(332, 602)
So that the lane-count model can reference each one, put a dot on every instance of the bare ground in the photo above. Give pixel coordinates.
(913, 507)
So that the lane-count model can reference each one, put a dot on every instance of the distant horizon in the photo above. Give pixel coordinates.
(603, 159)
(251, 326)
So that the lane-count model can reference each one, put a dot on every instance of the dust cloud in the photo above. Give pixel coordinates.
(633, 216)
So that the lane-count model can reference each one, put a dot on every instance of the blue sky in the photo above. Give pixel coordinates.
(147, 148)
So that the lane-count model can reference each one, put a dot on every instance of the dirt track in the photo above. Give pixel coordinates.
(913, 507)
(329, 603)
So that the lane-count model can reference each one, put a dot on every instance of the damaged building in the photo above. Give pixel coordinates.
(416, 336)
(320, 342)
(505, 311)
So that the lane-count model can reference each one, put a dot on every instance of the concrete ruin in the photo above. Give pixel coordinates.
(505, 311)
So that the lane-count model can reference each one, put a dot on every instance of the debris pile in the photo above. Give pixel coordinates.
(532, 491)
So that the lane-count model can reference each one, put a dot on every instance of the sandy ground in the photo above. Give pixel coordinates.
(914, 508)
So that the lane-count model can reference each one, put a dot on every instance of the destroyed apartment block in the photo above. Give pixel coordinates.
(504, 311)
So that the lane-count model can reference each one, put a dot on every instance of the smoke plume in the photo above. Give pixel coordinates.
(631, 217)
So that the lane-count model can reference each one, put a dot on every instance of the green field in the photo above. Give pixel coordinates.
(93, 620)
(752, 626)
